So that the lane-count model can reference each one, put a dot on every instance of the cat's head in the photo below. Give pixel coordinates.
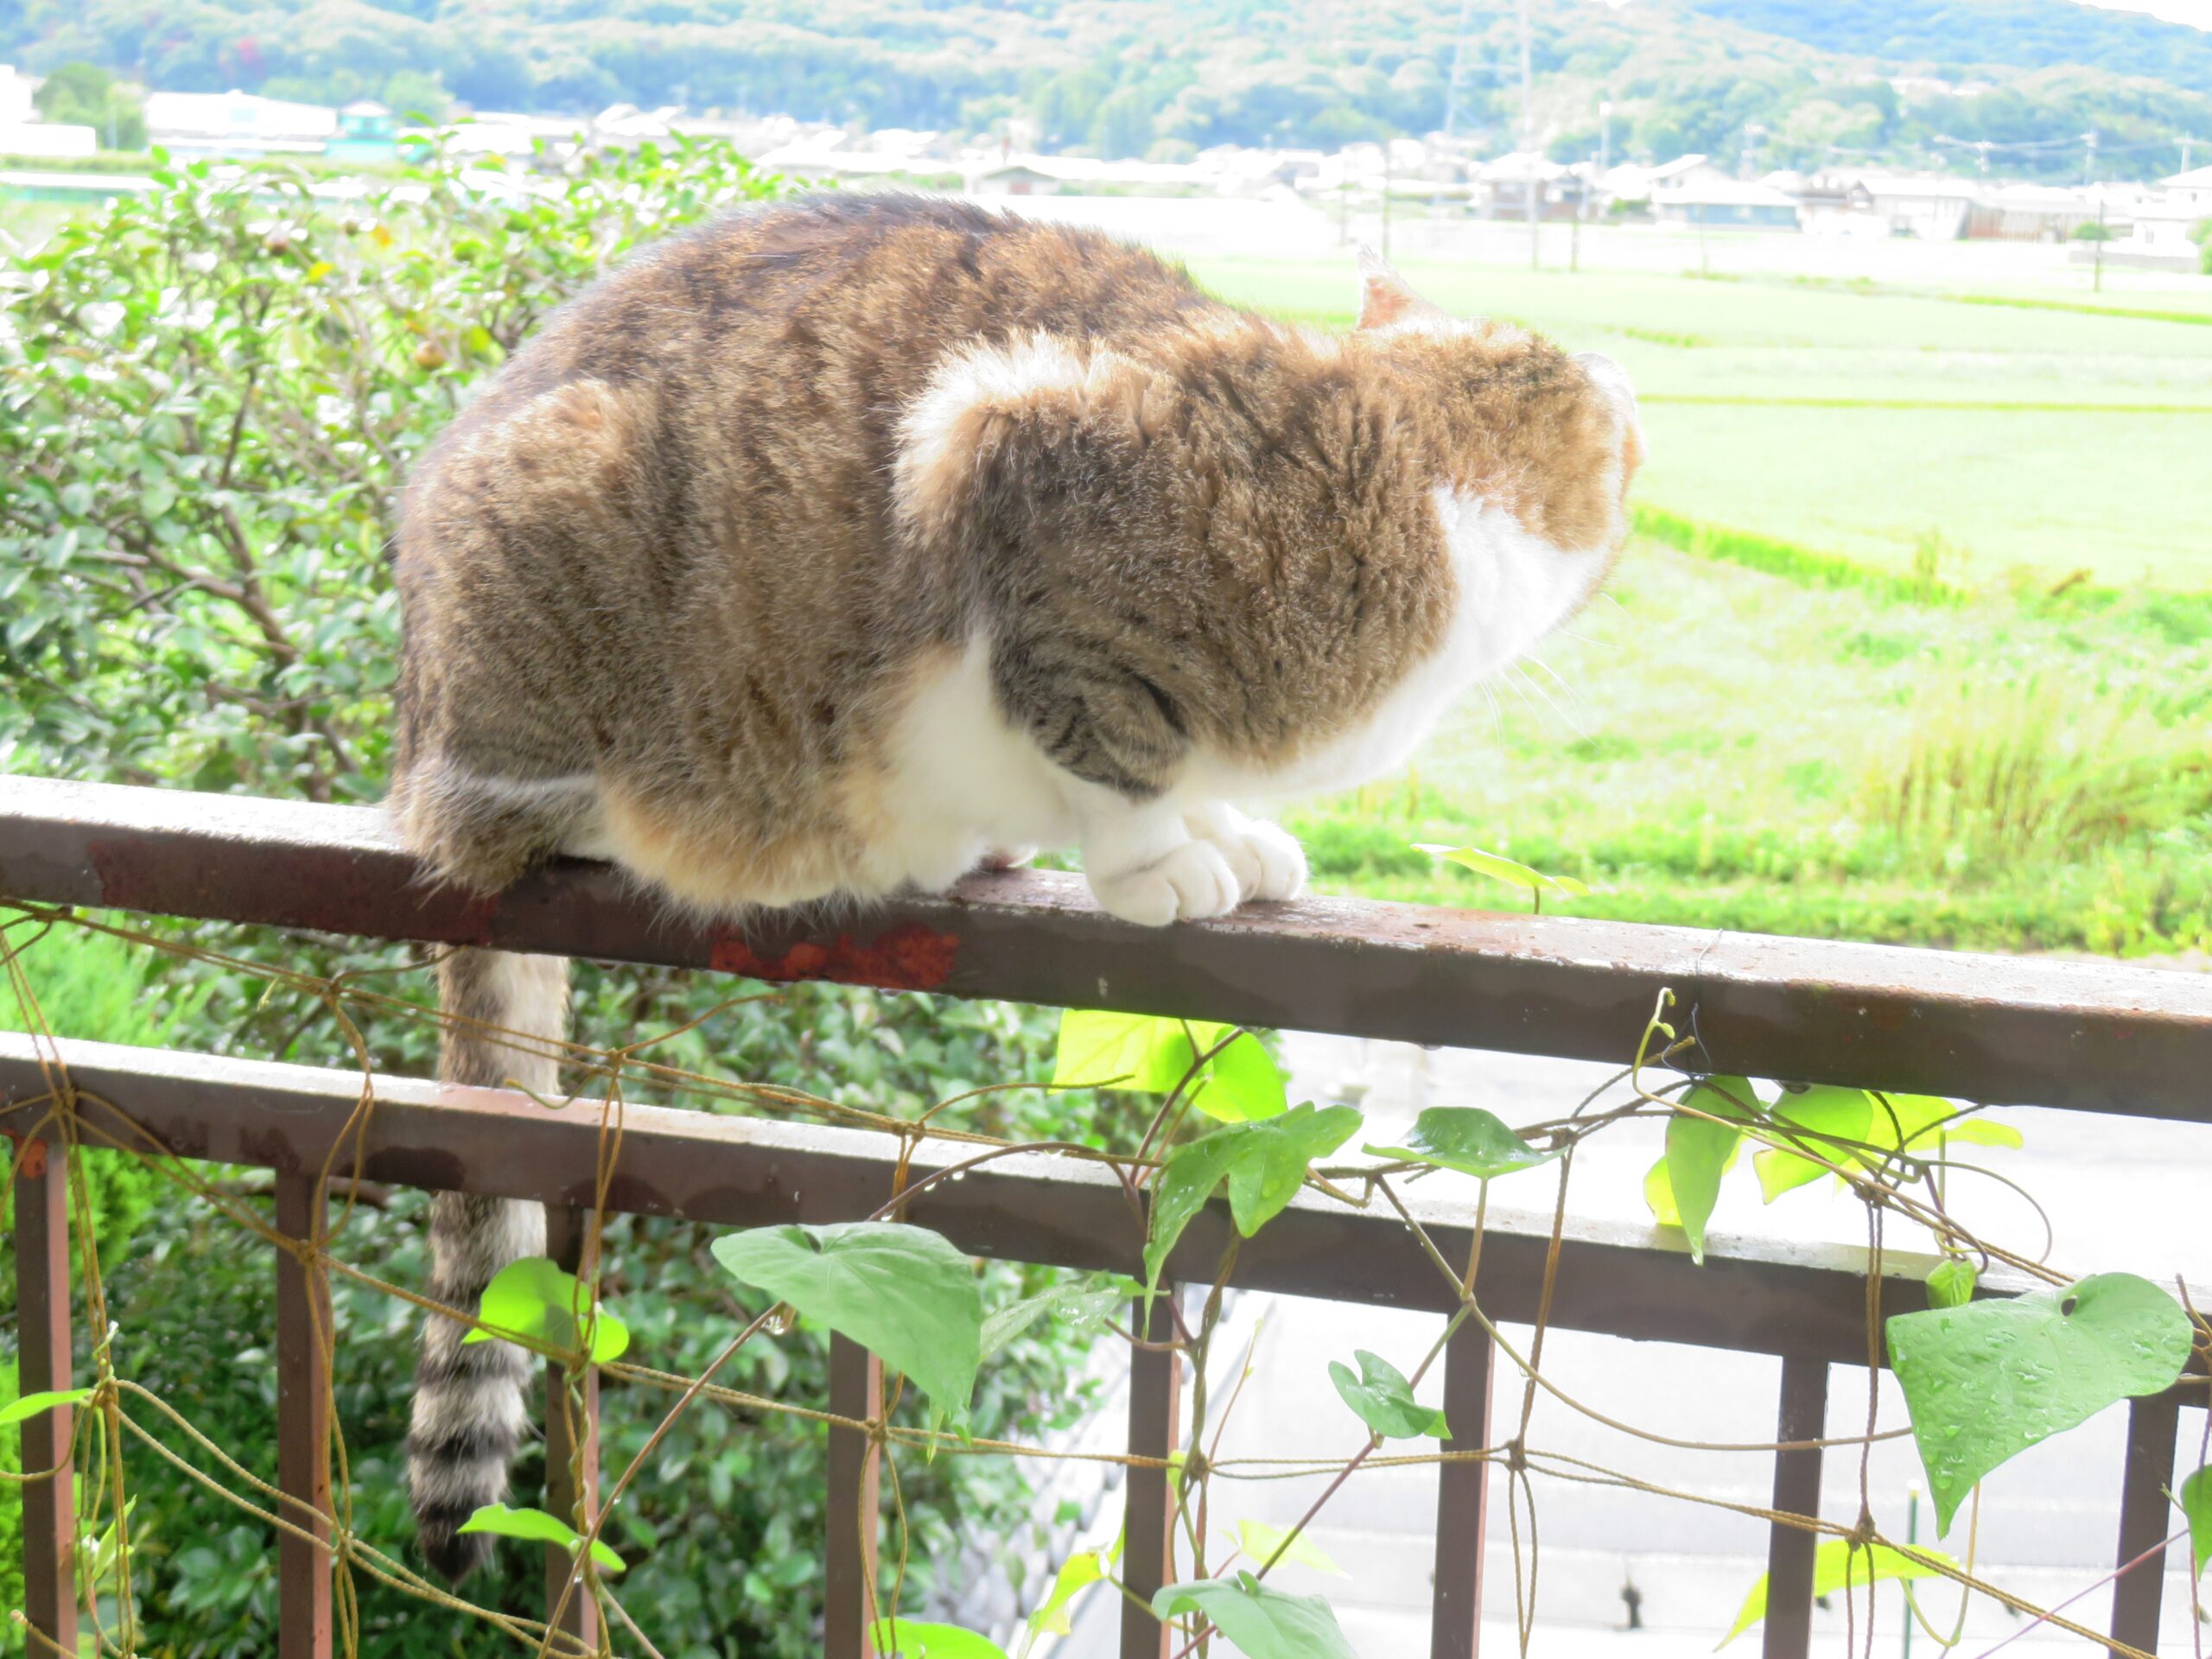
(1523, 437)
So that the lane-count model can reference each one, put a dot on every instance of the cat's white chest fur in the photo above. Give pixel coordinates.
(964, 782)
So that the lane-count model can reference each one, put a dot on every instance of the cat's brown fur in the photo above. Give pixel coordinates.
(674, 581)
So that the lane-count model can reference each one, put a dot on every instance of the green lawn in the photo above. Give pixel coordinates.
(1714, 746)
(2032, 441)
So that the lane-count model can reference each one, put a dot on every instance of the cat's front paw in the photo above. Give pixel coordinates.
(1266, 859)
(1189, 882)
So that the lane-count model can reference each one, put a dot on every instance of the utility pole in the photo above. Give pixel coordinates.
(2187, 144)
(1531, 192)
(1752, 133)
(1458, 66)
(1581, 191)
(1386, 197)
(2089, 156)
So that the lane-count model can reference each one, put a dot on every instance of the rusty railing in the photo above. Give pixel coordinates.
(2089, 1037)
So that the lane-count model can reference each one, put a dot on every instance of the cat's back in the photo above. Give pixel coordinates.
(834, 304)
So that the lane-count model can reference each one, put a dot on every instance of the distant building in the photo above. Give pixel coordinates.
(1727, 204)
(1504, 184)
(1014, 175)
(368, 131)
(1015, 179)
(22, 133)
(2029, 213)
(237, 123)
(1633, 185)
(2161, 232)
(1934, 207)
(18, 97)
(2190, 191)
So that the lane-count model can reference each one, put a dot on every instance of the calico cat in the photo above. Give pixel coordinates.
(843, 545)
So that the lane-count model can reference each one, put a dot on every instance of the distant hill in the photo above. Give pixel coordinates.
(1766, 83)
(2026, 34)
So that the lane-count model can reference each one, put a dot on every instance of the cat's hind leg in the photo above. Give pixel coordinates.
(1266, 859)
(483, 830)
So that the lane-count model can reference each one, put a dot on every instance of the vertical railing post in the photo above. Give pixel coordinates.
(2153, 1425)
(303, 1624)
(1156, 1410)
(1789, 1550)
(855, 1391)
(1462, 1498)
(568, 1420)
(42, 1364)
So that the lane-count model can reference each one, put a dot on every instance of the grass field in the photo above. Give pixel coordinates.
(1715, 747)
(2029, 442)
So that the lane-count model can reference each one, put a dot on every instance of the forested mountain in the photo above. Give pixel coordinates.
(1774, 82)
(2027, 33)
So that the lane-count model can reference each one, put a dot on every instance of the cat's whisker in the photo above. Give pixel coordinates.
(1565, 719)
(1557, 676)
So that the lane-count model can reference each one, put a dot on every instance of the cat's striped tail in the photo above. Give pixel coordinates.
(471, 1402)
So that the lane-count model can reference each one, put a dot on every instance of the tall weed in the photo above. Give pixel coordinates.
(2009, 773)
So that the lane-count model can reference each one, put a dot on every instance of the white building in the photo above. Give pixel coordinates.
(236, 123)
(2192, 191)
(1932, 207)
(2163, 231)
(22, 133)
(1729, 204)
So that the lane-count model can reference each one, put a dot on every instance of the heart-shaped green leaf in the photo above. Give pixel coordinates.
(539, 1527)
(30, 1405)
(902, 1292)
(1824, 1110)
(1468, 1139)
(1261, 1623)
(1269, 1163)
(1683, 1187)
(533, 1300)
(1884, 1124)
(1951, 1283)
(1986, 1381)
(2195, 1496)
(1921, 1122)
(1841, 1563)
(1076, 1574)
(1075, 1307)
(1382, 1398)
(1264, 1164)
(909, 1639)
(1151, 1055)
(1261, 1541)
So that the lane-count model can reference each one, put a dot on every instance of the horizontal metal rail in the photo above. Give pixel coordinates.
(2093, 1037)
(2097, 1037)
(1802, 1301)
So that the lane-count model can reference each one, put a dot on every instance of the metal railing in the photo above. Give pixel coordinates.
(2089, 1037)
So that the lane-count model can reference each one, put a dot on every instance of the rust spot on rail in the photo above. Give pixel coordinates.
(30, 1154)
(908, 957)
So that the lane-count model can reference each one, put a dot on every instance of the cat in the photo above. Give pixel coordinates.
(849, 542)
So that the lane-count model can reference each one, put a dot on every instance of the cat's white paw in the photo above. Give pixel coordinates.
(1189, 882)
(1266, 859)
(1005, 858)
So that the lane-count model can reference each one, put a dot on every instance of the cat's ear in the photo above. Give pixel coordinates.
(1384, 298)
